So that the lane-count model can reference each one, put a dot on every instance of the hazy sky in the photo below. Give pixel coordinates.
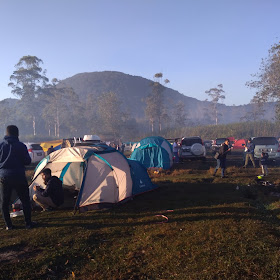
(196, 44)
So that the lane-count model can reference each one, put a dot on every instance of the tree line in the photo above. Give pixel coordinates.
(50, 108)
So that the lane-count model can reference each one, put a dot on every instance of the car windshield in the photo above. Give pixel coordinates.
(265, 141)
(191, 141)
(220, 141)
(36, 147)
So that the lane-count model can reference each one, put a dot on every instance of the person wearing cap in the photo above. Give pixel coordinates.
(13, 157)
(249, 151)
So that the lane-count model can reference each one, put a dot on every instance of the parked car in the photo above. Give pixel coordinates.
(35, 151)
(218, 143)
(207, 144)
(191, 148)
(269, 145)
(88, 140)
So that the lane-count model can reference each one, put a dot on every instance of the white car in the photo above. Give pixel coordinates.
(270, 145)
(35, 151)
(191, 148)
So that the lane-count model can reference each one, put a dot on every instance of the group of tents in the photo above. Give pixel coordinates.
(102, 175)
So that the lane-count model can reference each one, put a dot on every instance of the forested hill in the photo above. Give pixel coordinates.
(132, 90)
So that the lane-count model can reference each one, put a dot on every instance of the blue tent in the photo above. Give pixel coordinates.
(154, 151)
(140, 178)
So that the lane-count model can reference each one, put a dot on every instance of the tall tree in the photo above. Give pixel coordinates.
(155, 102)
(61, 104)
(91, 114)
(215, 94)
(255, 114)
(27, 82)
(180, 115)
(110, 113)
(267, 81)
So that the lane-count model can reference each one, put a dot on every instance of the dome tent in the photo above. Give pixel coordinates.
(101, 174)
(154, 151)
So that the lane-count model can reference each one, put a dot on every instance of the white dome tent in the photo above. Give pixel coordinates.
(102, 175)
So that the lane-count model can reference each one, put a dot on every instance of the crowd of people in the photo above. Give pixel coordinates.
(249, 154)
(224, 150)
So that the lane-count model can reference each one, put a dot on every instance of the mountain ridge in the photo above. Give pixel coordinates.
(134, 89)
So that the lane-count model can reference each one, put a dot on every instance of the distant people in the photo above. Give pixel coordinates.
(249, 153)
(13, 157)
(176, 147)
(52, 196)
(122, 148)
(50, 150)
(264, 163)
(221, 159)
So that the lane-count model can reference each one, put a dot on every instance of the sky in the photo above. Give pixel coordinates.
(196, 44)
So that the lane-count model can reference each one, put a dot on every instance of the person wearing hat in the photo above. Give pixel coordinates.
(249, 151)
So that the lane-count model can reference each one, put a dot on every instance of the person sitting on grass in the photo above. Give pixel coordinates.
(52, 196)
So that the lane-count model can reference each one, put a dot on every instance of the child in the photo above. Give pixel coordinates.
(264, 162)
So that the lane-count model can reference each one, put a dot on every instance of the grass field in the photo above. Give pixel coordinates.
(216, 229)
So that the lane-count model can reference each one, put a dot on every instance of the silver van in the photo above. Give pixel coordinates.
(269, 145)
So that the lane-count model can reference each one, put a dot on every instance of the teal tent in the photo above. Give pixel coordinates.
(154, 151)
(140, 178)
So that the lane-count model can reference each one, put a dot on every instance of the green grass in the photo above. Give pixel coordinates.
(213, 232)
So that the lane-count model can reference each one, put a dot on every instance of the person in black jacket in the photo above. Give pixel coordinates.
(221, 160)
(52, 196)
(264, 163)
(13, 157)
(50, 150)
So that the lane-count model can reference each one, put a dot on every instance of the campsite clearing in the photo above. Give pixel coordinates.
(214, 231)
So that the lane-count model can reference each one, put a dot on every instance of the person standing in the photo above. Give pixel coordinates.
(13, 157)
(176, 150)
(249, 151)
(221, 160)
(122, 148)
(264, 163)
(50, 150)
